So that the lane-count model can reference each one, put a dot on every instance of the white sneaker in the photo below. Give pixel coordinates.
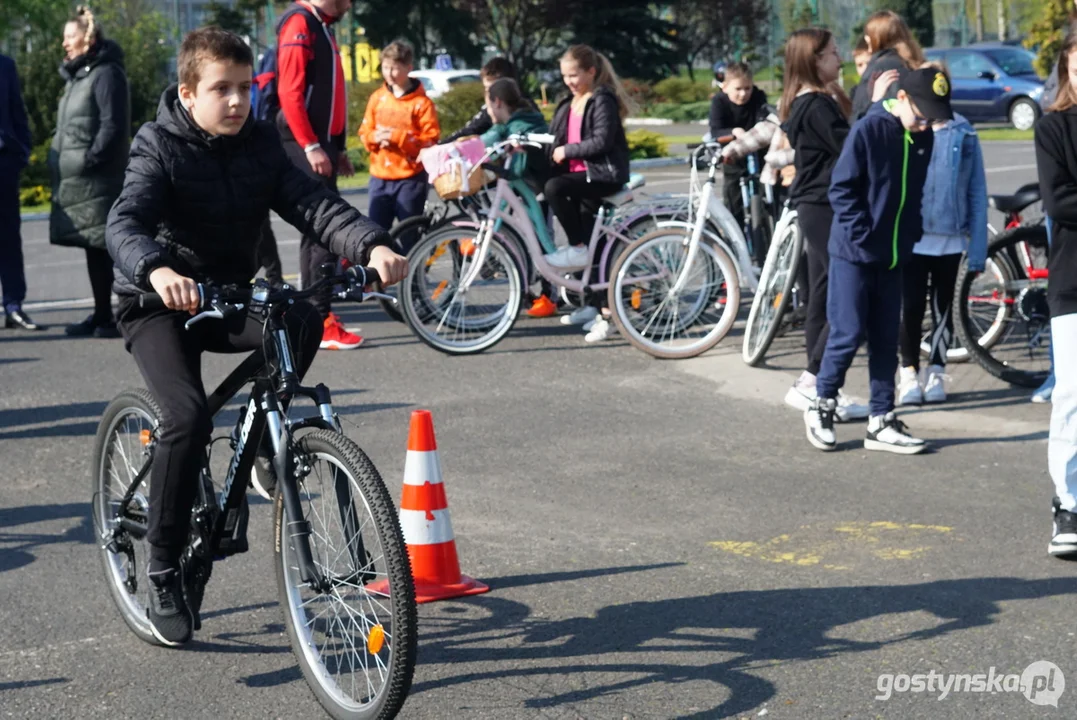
(886, 432)
(580, 316)
(802, 395)
(587, 326)
(569, 256)
(935, 384)
(819, 424)
(909, 390)
(601, 330)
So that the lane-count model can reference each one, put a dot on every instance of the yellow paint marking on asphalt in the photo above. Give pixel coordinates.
(840, 546)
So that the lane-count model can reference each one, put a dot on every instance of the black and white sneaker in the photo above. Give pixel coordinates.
(264, 477)
(819, 423)
(1064, 534)
(170, 619)
(887, 433)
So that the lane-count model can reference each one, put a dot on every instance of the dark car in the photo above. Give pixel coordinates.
(993, 83)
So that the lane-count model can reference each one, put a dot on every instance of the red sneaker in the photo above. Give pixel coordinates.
(542, 307)
(335, 337)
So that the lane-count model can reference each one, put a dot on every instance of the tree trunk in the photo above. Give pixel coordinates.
(1001, 20)
(979, 21)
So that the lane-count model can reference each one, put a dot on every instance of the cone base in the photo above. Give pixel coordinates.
(431, 592)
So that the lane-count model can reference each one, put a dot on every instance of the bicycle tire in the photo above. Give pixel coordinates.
(141, 401)
(493, 328)
(978, 349)
(760, 233)
(755, 347)
(721, 328)
(419, 222)
(403, 630)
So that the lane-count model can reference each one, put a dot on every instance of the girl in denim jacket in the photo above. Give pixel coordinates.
(955, 222)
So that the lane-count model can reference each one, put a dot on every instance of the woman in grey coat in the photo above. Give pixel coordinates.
(88, 157)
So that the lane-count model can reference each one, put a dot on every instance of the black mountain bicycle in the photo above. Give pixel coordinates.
(342, 569)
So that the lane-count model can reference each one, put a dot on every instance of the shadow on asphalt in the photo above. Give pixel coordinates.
(24, 684)
(55, 415)
(16, 548)
(783, 625)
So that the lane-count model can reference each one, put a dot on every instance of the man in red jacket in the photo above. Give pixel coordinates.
(313, 123)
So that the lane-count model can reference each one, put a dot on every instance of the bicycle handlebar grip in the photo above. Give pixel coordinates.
(368, 274)
(543, 138)
(724, 140)
(151, 301)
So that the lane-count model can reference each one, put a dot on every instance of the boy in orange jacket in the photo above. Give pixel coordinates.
(400, 121)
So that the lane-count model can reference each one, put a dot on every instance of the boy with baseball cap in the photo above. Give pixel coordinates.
(876, 190)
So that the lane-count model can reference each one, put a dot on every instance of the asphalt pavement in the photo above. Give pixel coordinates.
(659, 538)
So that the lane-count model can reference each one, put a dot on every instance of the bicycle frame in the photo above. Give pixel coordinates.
(264, 412)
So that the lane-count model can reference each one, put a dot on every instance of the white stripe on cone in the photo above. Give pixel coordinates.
(420, 531)
(422, 467)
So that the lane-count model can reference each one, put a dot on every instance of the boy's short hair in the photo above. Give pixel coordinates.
(206, 45)
(507, 91)
(498, 67)
(861, 47)
(737, 70)
(399, 51)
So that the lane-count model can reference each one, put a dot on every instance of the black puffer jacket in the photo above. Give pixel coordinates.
(196, 203)
(603, 147)
(89, 151)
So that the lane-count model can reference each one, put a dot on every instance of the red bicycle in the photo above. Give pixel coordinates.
(1001, 313)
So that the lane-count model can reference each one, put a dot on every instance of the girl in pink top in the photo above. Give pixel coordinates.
(590, 159)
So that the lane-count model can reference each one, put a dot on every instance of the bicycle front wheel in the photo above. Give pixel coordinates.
(774, 293)
(451, 318)
(355, 637)
(668, 324)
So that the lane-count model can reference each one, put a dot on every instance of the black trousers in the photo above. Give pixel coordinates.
(814, 221)
(312, 254)
(731, 195)
(575, 202)
(12, 270)
(936, 274)
(170, 360)
(99, 263)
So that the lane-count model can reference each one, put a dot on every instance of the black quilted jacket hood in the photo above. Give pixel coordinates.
(196, 203)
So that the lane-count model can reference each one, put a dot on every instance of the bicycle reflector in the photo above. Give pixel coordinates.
(144, 436)
(637, 298)
(375, 640)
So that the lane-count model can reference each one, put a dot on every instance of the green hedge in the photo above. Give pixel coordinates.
(688, 112)
(681, 90)
(643, 144)
(458, 106)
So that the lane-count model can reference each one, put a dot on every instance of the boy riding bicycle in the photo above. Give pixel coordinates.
(200, 181)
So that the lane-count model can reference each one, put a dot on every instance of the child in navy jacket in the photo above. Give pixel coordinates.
(875, 191)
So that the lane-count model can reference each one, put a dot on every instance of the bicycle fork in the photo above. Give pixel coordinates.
(697, 235)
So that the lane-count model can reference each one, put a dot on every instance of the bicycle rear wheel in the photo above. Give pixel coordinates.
(121, 449)
(1001, 314)
(355, 639)
(774, 293)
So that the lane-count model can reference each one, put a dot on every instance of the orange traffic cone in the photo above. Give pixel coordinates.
(424, 517)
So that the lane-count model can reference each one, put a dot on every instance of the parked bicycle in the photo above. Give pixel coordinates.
(342, 570)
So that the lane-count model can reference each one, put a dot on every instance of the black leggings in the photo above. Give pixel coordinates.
(939, 273)
(170, 359)
(814, 221)
(575, 201)
(99, 263)
(268, 255)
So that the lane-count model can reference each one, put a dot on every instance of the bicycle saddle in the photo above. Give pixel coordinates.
(624, 195)
(1025, 196)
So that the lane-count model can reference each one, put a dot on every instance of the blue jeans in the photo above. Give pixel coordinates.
(398, 200)
(863, 301)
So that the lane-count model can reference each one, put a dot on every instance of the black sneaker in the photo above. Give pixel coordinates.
(819, 423)
(887, 433)
(170, 618)
(1064, 535)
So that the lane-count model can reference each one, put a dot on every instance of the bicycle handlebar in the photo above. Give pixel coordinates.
(221, 302)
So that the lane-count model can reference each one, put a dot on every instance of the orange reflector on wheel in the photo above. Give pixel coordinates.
(637, 298)
(144, 436)
(777, 301)
(439, 289)
(467, 247)
(376, 640)
(438, 252)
